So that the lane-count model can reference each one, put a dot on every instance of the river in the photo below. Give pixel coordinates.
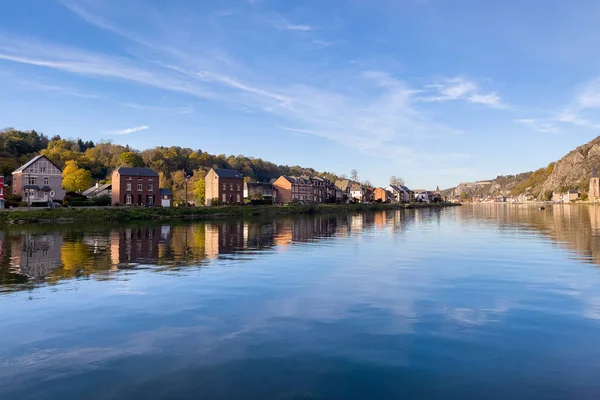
(484, 301)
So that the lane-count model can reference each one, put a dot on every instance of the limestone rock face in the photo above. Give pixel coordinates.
(575, 167)
(570, 172)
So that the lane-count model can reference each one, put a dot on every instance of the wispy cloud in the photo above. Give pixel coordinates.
(463, 89)
(371, 111)
(575, 118)
(127, 131)
(540, 126)
(584, 106)
(57, 89)
(285, 24)
(168, 110)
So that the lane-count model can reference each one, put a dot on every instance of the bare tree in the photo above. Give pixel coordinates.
(354, 175)
(396, 181)
(367, 183)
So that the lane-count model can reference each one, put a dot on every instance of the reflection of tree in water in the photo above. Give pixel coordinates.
(574, 227)
(76, 252)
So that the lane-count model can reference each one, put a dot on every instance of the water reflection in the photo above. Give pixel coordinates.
(32, 255)
(50, 254)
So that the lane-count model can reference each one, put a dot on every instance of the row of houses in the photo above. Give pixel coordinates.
(40, 181)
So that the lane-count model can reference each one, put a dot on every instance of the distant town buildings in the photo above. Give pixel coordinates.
(38, 181)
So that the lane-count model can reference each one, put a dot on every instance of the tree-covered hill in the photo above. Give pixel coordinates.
(172, 163)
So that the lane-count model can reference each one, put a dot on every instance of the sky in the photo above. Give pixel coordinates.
(434, 91)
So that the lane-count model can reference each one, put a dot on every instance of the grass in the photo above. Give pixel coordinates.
(140, 214)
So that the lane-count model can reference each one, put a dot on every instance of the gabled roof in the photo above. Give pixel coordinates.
(355, 188)
(165, 192)
(130, 171)
(33, 160)
(343, 183)
(97, 189)
(227, 173)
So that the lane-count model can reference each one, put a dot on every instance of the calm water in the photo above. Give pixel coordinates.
(470, 302)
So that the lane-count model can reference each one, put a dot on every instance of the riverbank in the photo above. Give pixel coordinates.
(115, 214)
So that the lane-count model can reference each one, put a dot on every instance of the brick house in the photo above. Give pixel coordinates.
(293, 188)
(38, 181)
(135, 187)
(226, 185)
(381, 195)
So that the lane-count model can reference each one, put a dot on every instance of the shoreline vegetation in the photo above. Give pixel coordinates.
(117, 214)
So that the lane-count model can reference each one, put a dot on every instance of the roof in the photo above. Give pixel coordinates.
(355, 188)
(400, 188)
(250, 185)
(130, 171)
(343, 183)
(296, 180)
(30, 162)
(227, 173)
(94, 190)
(46, 189)
(165, 192)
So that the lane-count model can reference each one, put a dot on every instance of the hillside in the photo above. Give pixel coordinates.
(172, 163)
(570, 172)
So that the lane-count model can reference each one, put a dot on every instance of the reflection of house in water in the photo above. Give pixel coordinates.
(36, 256)
(224, 238)
(135, 245)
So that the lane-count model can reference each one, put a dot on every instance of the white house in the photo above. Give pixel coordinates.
(424, 196)
(357, 192)
(399, 193)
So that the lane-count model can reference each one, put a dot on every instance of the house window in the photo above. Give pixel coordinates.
(238, 187)
(231, 187)
(238, 198)
(128, 199)
(224, 186)
(128, 178)
(128, 186)
(224, 197)
(150, 180)
(139, 187)
(150, 200)
(46, 180)
(150, 187)
(32, 180)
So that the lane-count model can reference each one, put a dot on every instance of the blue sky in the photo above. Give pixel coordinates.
(435, 91)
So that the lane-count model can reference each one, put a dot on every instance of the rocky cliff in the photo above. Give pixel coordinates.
(570, 172)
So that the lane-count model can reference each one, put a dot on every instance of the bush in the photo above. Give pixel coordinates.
(103, 200)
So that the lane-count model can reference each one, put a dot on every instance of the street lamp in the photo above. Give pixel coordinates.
(187, 178)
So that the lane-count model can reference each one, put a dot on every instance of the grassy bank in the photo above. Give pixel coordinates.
(114, 214)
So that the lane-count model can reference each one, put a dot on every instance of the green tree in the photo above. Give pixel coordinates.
(76, 179)
(199, 185)
(130, 159)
